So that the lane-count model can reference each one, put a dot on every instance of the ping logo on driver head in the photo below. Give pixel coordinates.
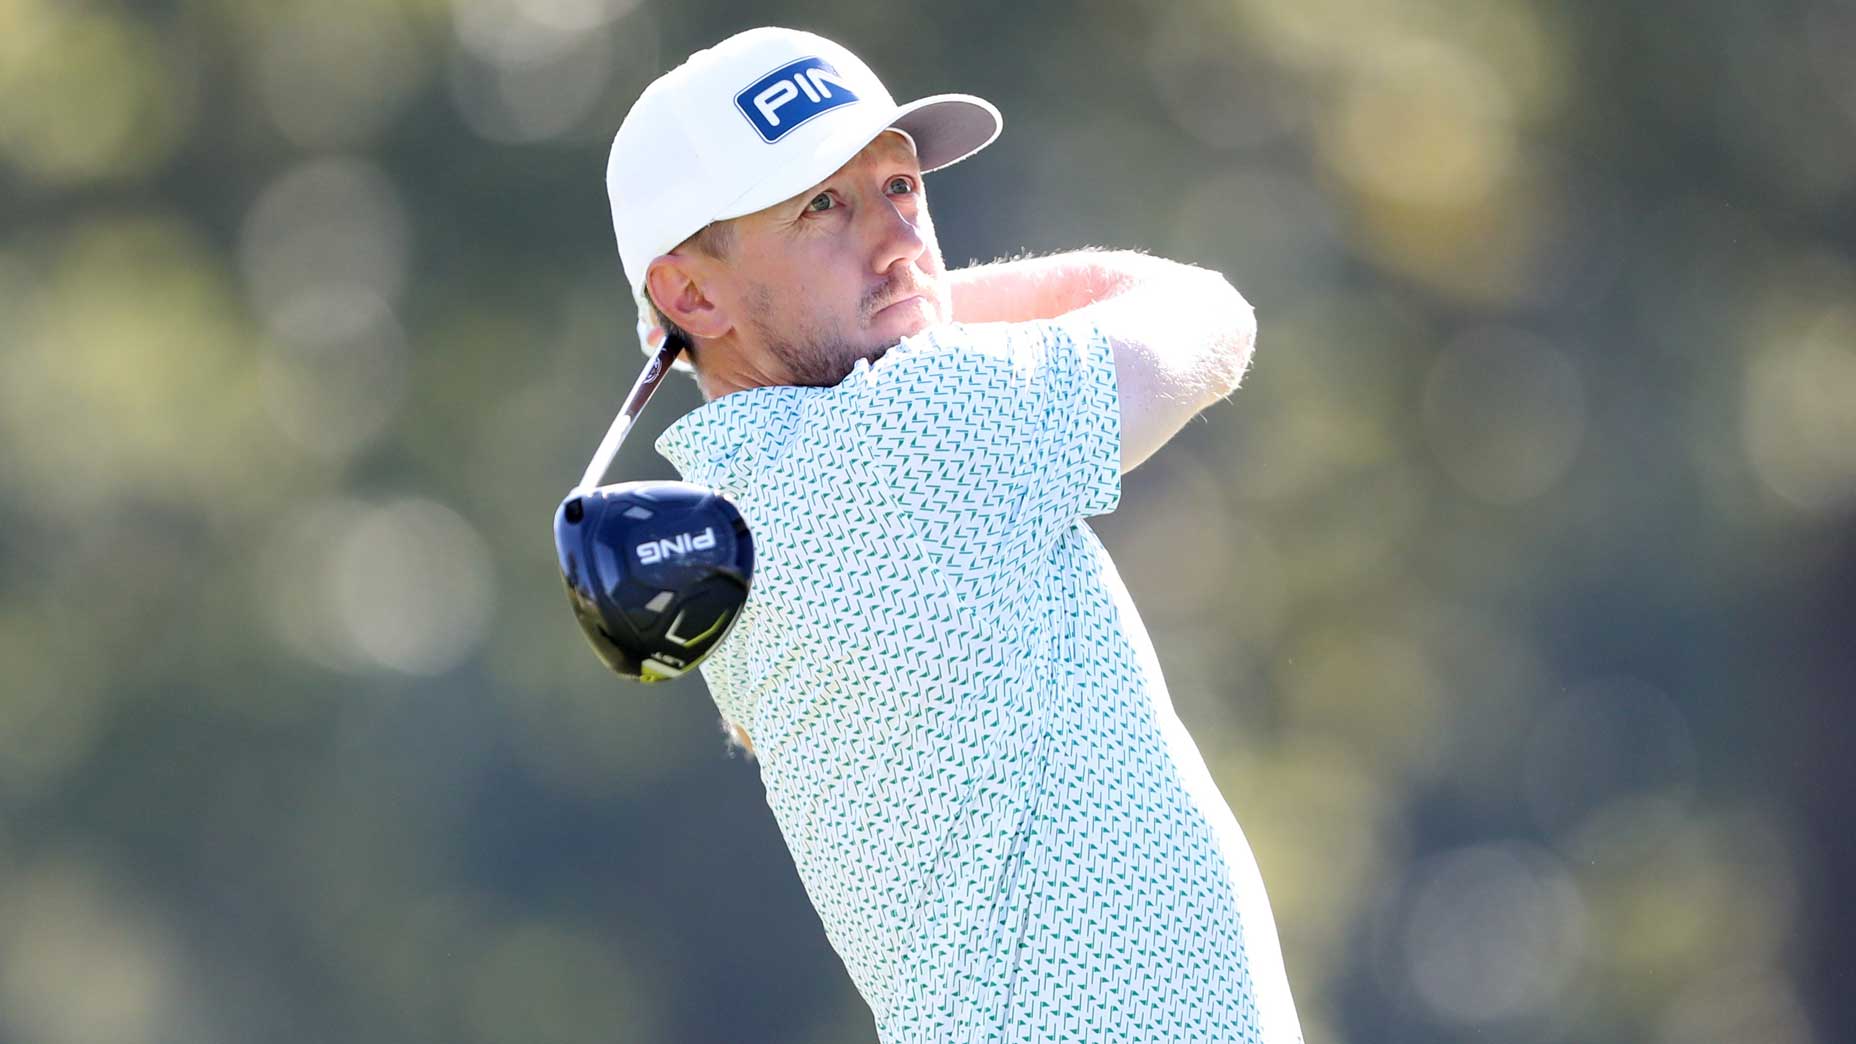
(791, 95)
(652, 552)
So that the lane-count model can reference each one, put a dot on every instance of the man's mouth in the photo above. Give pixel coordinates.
(898, 291)
(905, 299)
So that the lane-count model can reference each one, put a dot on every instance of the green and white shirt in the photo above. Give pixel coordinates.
(960, 722)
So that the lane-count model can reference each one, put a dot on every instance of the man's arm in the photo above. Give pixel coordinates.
(1182, 336)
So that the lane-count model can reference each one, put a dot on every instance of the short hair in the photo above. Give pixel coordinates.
(714, 239)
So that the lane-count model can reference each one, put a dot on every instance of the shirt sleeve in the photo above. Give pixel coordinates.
(995, 439)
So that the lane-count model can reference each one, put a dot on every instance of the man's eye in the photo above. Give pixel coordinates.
(901, 185)
(820, 202)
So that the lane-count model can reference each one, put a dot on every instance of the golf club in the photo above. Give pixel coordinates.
(657, 572)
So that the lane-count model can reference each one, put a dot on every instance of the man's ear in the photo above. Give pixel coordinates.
(676, 285)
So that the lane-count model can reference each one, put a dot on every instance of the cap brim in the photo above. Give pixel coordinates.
(948, 128)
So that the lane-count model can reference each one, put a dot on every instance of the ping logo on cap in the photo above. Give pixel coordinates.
(790, 95)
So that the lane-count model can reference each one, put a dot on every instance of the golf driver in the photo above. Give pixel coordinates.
(656, 572)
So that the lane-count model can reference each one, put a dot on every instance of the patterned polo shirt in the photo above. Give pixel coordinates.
(960, 723)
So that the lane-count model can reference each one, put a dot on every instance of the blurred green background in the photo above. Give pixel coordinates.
(1509, 600)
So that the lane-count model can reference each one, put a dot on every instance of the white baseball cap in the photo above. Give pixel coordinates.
(756, 119)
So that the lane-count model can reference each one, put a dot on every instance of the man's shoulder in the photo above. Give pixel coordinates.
(954, 339)
(958, 385)
(959, 359)
(712, 440)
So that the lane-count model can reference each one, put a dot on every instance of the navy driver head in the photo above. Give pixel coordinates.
(656, 572)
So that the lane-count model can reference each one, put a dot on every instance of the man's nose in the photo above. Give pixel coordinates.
(897, 238)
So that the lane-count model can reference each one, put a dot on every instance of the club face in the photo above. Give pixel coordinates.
(656, 572)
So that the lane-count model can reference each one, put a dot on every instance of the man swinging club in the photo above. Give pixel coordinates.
(958, 716)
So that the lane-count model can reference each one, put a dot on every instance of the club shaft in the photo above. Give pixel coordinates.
(647, 383)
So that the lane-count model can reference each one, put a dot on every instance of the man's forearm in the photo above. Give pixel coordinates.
(1181, 335)
(1045, 287)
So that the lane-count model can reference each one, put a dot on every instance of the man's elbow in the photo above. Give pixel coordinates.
(1234, 336)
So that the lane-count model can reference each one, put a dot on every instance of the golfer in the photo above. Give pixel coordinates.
(958, 716)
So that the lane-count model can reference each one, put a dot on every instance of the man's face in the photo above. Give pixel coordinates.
(838, 273)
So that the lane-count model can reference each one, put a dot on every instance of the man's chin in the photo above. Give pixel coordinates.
(891, 326)
(882, 349)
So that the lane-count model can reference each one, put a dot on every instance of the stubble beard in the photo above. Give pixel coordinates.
(817, 354)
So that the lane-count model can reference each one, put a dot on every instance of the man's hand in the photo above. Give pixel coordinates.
(1182, 336)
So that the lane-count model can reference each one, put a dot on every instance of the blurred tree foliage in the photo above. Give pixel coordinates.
(1509, 600)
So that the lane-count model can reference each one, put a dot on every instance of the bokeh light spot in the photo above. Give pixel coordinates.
(404, 586)
(411, 584)
(129, 371)
(328, 226)
(1800, 415)
(299, 52)
(1610, 740)
(83, 960)
(1505, 412)
(336, 384)
(1494, 932)
(89, 95)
